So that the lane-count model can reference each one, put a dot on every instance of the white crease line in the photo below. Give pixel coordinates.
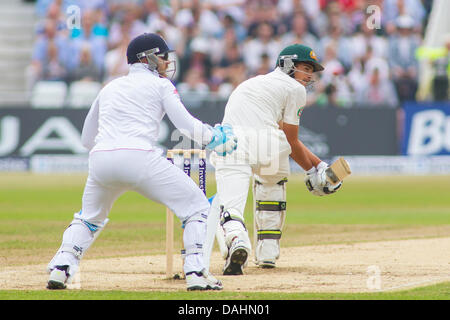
(413, 284)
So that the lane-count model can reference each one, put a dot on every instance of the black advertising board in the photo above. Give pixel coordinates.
(332, 132)
(328, 132)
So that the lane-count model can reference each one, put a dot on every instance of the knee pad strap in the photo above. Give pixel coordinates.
(270, 205)
(92, 227)
(75, 250)
(269, 234)
(227, 216)
(194, 249)
(200, 217)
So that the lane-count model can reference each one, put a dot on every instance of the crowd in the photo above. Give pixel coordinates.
(220, 43)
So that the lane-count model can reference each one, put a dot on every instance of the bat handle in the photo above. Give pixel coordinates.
(331, 176)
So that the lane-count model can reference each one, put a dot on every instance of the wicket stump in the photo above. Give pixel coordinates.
(187, 154)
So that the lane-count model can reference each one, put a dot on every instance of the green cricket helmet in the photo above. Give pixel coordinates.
(297, 53)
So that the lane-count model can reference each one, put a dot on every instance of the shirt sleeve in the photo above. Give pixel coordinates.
(191, 127)
(90, 127)
(295, 102)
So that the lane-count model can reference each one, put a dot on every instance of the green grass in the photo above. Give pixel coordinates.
(374, 200)
(435, 292)
(35, 210)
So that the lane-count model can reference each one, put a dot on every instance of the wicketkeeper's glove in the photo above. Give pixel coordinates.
(317, 183)
(223, 141)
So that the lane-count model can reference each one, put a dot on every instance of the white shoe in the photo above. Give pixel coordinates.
(266, 264)
(266, 253)
(237, 258)
(202, 281)
(58, 278)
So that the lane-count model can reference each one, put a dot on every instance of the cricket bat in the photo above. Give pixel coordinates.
(338, 171)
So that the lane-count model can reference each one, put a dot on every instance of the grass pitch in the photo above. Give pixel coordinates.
(35, 209)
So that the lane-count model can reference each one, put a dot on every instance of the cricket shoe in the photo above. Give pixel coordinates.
(237, 258)
(202, 281)
(266, 264)
(58, 278)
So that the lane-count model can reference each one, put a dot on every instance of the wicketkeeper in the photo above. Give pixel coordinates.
(265, 112)
(121, 131)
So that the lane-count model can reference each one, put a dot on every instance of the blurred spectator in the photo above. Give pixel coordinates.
(232, 56)
(193, 89)
(91, 26)
(358, 77)
(92, 34)
(50, 35)
(220, 47)
(157, 17)
(331, 16)
(372, 62)
(263, 44)
(42, 6)
(220, 43)
(237, 73)
(49, 53)
(218, 77)
(87, 69)
(264, 12)
(195, 12)
(229, 23)
(395, 8)
(231, 8)
(116, 64)
(366, 37)
(309, 7)
(331, 63)
(299, 33)
(342, 42)
(55, 13)
(101, 5)
(377, 92)
(404, 67)
(126, 24)
(198, 58)
(265, 66)
(53, 68)
(334, 88)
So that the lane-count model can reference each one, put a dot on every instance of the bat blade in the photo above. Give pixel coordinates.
(338, 171)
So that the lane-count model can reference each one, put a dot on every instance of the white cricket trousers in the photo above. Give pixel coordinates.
(111, 173)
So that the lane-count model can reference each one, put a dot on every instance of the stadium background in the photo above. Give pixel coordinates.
(382, 102)
(386, 67)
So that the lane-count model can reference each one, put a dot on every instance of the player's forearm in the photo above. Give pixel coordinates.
(186, 123)
(303, 156)
(300, 153)
(314, 159)
(90, 127)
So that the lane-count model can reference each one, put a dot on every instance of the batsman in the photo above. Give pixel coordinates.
(265, 112)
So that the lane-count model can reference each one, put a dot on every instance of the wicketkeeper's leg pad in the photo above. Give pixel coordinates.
(77, 238)
(194, 237)
(270, 214)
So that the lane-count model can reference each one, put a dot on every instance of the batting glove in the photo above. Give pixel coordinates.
(317, 183)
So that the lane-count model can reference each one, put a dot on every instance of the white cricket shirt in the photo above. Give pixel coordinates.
(265, 100)
(127, 113)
